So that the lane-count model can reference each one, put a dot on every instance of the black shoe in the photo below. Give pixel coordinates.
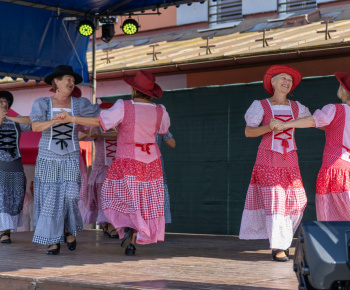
(112, 236)
(127, 237)
(7, 241)
(72, 245)
(105, 229)
(54, 251)
(278, 259)
(130, 250)
(287, 252)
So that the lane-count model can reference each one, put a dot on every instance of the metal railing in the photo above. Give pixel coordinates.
(223, 11)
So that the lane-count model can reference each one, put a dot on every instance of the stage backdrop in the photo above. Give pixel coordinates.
(209, 170)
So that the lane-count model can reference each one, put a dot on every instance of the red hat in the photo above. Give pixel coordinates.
(278, 69)
(145, 82)
(344, 79)
(106, 105)
(75, 93)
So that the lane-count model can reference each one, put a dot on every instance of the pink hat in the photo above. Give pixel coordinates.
(145, 82)
(278, 69)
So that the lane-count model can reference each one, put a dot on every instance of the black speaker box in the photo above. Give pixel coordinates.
(322, 255)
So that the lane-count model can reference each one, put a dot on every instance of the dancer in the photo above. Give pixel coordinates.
(276, 197)
(170, 142)
(133, 191)
(57, 172)
(333, 180)
(13, 180)
(105, 148)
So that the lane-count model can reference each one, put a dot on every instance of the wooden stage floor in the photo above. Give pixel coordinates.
(181, 262)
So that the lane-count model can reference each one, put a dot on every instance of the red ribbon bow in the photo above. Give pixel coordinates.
(145, 147)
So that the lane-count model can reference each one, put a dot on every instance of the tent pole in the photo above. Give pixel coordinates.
(94, 65)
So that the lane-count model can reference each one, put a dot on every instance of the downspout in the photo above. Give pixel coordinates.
(94, 64)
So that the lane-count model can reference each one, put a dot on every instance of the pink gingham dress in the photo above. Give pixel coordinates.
(333, 180)
(133, 192)
(276, 197)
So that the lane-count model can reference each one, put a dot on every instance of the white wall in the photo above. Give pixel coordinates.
(191, 14)
(258, 6)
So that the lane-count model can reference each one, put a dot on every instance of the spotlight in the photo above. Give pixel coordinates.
(86, 27)
(130, 26)
(107, 32)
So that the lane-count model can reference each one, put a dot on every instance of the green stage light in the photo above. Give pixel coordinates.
(86, 28)
(130, 26)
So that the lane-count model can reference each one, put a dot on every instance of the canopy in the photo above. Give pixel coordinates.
(36, 36)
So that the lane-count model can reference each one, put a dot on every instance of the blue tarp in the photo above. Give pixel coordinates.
(34, 40)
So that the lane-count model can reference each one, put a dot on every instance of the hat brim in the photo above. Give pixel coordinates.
(8, 96)
(339, 76)
(278, 69)
(48, 79)
(156, 92)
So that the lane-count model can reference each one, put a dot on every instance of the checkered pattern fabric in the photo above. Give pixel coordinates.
(333, 206)
(333, 180)
(266, 141)
(132, 186)
(276, 197)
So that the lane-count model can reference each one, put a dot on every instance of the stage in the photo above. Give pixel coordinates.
(181, 262)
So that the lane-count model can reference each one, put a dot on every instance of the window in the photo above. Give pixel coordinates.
(224, 11)
(287, 6)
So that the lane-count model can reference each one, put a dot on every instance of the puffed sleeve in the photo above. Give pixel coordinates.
(167, 136)
(324, 116)
(303, 111)
(87, 109)
(39, 110)
(25, 128)
(165, 123)
(254, 114)
(113, 116)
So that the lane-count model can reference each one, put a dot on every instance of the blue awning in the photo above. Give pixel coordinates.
(36, 36)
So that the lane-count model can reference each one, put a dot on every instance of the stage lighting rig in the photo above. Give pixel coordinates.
(86, 27)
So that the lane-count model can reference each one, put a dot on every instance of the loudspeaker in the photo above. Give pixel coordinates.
(322, 255)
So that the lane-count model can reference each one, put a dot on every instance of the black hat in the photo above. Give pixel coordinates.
(62, 70)
(8, 96)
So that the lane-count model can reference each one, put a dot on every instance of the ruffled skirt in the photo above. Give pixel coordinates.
(333, 192)
(12, 192)
(56, 194)
(275, 200)
(91, 207)
(133, 196)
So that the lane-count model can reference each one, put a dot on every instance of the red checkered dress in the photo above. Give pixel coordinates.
(133, 192)
(333, 180)
(276, 198)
